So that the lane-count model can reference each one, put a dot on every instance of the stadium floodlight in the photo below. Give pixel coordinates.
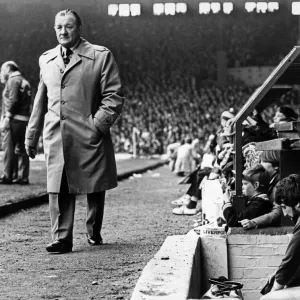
(227, 7)
(135, 9)
(261, 7)
(181, 8)
(296, 8)
(272, 6)
(158, 9)
(204, 8)
(124, 10)
(170, 9)
(215, 7)
(250, 6)
(113, 9)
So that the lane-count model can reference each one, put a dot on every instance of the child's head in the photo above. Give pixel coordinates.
(255, 180)
(226, 115)
(288, 195)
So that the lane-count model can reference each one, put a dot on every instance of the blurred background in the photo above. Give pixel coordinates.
(182, 63)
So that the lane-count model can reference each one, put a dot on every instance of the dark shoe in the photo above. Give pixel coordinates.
(4, 180)
(94, 241)
(21, 181)
(59, 247)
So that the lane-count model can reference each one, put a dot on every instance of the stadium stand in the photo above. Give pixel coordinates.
(168, 64)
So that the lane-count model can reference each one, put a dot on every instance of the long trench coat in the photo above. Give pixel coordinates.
(75, 106)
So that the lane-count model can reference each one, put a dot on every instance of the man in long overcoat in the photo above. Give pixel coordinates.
(79, 98)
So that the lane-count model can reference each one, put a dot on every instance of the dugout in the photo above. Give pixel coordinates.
(283, 78)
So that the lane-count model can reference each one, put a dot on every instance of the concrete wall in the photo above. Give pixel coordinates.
(170, 274)
(181, 268)
(248, 257)
(254, 255)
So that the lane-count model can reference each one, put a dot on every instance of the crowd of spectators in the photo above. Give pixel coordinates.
(164, 63)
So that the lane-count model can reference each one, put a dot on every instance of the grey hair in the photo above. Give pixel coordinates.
(12, 65)
(70, 11)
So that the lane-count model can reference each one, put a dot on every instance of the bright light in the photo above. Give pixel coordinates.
(250, 6)
(204, 8)
(113, 9)
(181, 8)
(135, 9)
(272, 6)
(261, 7)
(227, 7)
(296, 8)
(170, 9)
(124, 10)
(158, 9)
(215, 7)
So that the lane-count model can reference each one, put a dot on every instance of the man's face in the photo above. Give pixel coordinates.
(279, 117)
(4, 73)
(67, 31)
(291, 211)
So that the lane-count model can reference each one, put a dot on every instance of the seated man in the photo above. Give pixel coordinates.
(288, 197)
(255, 183)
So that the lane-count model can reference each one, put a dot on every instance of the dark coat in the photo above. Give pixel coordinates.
(17, 97)
(258, 205)
(77, 105)
(288, 272)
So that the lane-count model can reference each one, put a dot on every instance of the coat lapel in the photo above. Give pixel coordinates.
(55, 56)
(73, 62)
(59, 60)
(84, 49)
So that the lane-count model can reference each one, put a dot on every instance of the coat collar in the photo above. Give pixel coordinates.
(84, 49)
(13, 74)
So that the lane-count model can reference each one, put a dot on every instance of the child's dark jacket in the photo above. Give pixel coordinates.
(259, 204)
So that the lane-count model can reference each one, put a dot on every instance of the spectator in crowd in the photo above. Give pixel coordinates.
(255, 184)
(284, 114)
(15, 116)
(270, 161)
(216, 156)
(172, 153)
(187, 204)
(185, 163)
(197, 150)
(80, 83)
(288, 197)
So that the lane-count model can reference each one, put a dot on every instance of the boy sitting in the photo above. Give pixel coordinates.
(255, 184)
(270, 161)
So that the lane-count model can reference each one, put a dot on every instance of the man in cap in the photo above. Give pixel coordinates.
(16, 103)
(79, 98)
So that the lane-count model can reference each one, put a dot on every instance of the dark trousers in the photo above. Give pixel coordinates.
(16, 161)
(62, 211)
(196, 180)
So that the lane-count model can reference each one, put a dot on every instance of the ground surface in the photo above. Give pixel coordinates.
(12, 193)
(137, 220)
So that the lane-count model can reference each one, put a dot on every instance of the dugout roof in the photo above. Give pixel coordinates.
(281, 80)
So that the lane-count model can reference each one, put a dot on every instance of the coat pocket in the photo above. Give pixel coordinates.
(92, 131)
